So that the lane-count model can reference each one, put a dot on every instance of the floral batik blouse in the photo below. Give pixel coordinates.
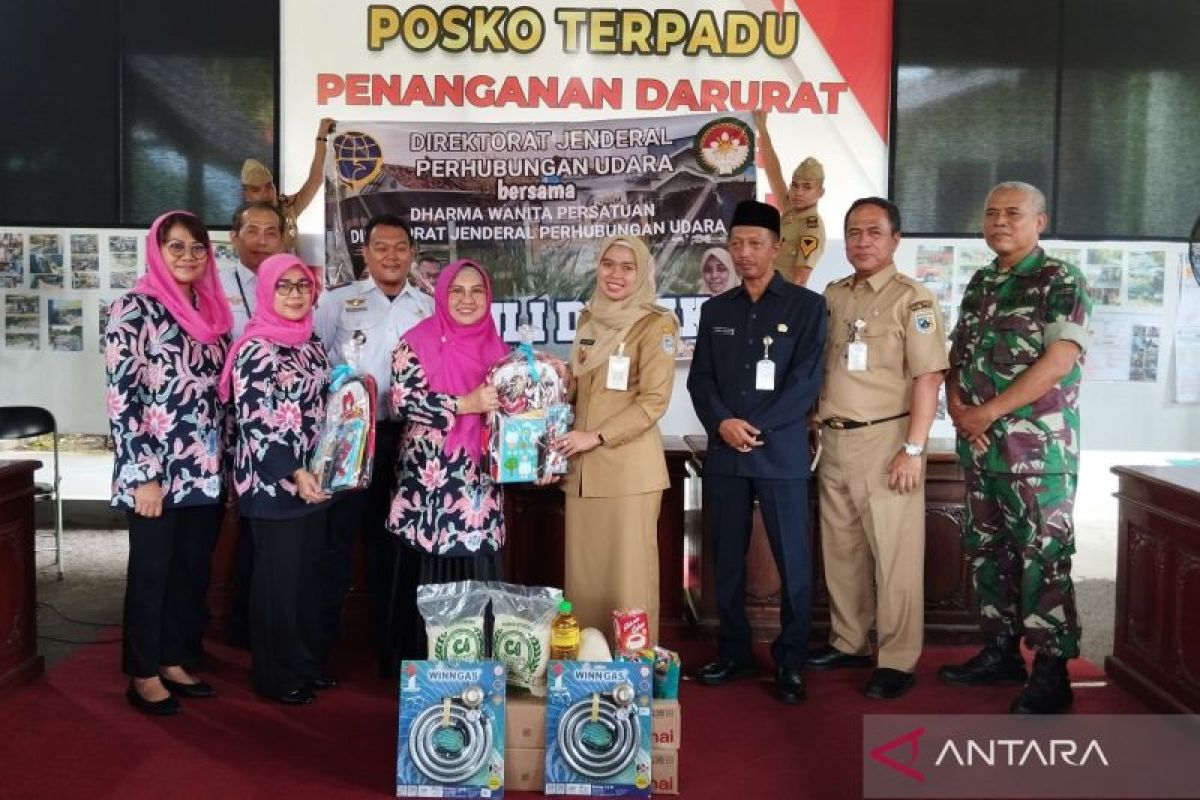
(279, 402)
(166, 420)
(445, 504)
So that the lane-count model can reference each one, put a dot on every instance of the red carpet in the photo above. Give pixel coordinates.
(71, 734)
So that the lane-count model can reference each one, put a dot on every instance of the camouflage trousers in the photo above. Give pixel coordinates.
(1020, 538)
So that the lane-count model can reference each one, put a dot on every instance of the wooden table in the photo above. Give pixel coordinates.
(19, 658)
(1156, 645)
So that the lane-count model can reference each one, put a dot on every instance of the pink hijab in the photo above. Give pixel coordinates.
(456, 357)
(266, 322)
(211, 318)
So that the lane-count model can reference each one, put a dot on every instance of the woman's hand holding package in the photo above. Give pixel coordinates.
(482, 400)
(576, 443)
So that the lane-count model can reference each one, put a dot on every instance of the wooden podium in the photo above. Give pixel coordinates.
(19, 658)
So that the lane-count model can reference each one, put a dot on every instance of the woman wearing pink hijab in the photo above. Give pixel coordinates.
(446, 508)
(276, 376)
(164, 346)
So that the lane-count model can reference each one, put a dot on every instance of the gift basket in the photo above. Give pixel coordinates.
(532, 388)
(344, 453)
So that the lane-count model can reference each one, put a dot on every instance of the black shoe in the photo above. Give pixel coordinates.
(1048, 690)
(723, 670)
(888, 684)
(998, 663)
(192, 691)
(322, 682)
(159, 708)
(789, 685)
(830, 657)
(297, 697)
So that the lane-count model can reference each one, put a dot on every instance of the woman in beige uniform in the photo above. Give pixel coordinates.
(618, 470)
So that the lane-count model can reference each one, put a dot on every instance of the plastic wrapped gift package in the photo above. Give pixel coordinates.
(532, 388)
(346, 449)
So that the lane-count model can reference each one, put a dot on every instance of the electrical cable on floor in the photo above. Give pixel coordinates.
(50, 606)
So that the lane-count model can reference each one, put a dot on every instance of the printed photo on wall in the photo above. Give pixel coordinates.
(123, 262)
(1147, 277)
(1103, 271)
(22, 322)
(12, 260)
(935, 269)
(65, 318)
(1143, 356)
(85, 261)
(45, 260)
(103, 304)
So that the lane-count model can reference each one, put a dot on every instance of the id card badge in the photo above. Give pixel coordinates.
(856, 357)
(618, 371)
(764, 373)
(764, 376)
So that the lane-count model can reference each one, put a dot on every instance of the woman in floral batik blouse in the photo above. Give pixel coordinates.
(446, 508)
(277, 375)
(164, 348)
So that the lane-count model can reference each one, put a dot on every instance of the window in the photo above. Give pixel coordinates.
(154, 108)
(1090, 100)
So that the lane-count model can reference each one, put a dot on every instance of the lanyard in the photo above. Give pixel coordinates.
(238, 277)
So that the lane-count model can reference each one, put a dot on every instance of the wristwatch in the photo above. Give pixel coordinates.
(913, 449)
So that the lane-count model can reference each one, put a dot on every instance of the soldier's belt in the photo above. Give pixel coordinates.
(840, 424)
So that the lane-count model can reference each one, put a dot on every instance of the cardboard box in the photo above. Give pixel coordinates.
(525, 727)
(666, 724)
(524, 769)
(664, 771)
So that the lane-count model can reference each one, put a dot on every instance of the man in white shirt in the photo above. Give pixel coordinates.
(375, 312)
(257, 233)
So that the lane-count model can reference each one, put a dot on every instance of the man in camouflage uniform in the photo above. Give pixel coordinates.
(1013, 394)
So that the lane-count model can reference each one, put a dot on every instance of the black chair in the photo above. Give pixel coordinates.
(22, 422)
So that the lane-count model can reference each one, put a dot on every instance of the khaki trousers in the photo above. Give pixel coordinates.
(868, 531)
(612, 558)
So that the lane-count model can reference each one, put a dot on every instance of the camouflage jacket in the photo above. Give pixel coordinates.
(1007, 321)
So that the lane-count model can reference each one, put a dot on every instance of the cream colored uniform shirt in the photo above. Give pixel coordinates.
(905, 338)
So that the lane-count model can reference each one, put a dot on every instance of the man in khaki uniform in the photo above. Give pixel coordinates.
(801, 229)
(884, 363)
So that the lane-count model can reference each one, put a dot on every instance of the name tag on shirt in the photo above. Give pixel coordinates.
(856, 357)
(764, 376)
(724, 331)
(618, 373)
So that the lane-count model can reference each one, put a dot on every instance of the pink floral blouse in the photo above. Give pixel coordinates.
(166, 420)
(444, 503)
(279, 403)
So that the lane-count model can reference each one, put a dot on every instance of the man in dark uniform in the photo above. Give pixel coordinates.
(754, 377)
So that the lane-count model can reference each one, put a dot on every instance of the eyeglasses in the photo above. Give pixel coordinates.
(284, 288)
(179, 249)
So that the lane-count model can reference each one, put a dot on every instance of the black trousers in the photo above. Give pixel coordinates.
(170, 561)
(364, 513)
(729, 502)
(243, 573)
(284, 608)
